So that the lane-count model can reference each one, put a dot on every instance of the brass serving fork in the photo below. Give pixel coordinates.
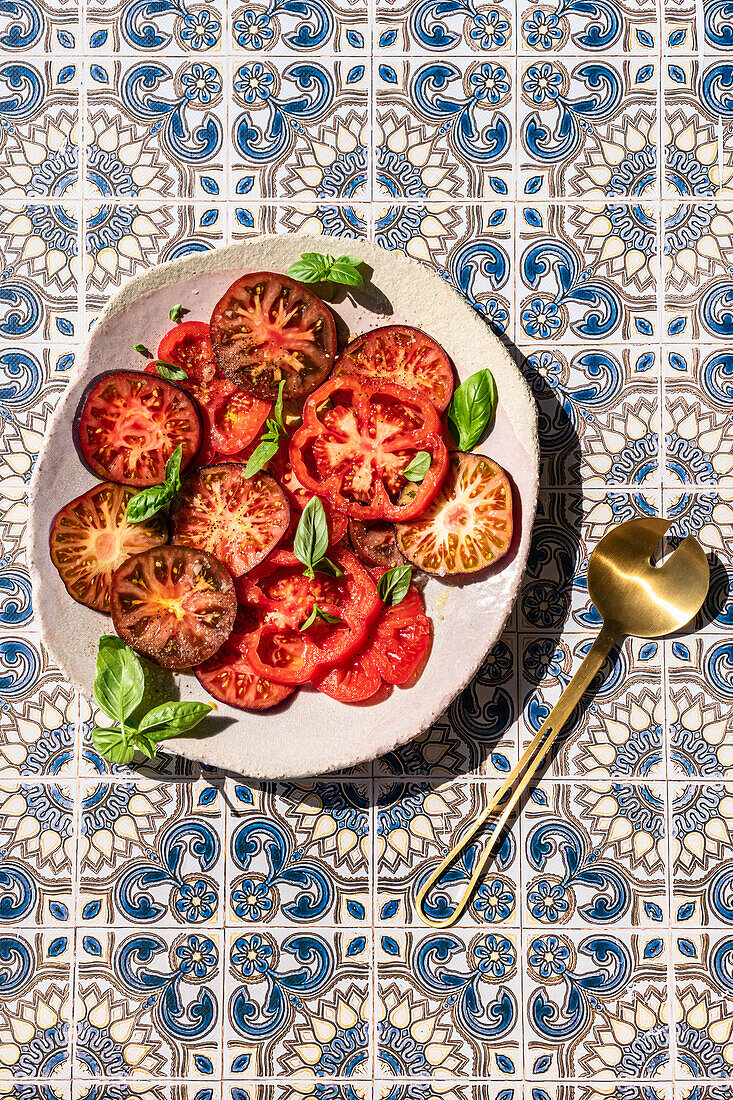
(633, 597)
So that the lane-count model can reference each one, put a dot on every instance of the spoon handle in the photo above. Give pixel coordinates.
(518, 780)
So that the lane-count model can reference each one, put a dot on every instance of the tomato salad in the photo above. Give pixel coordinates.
(264, 501)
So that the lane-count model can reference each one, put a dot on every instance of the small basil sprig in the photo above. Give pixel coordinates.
(149, 501)
(319, 267)
(170, 371)
(142, 350)
(176, 313)
(419, 467)
(311, 540)
(272, 433)
(319, 613)
(119, 687)
(471, 409)
(393, 586)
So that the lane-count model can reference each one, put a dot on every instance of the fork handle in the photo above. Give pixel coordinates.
(520, 777)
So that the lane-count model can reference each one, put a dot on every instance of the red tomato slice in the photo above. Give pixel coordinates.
(130, 425)
(175, 605)
(298, 496)
(187, 346)
(238, 519)
(91, 537)
(375, 542)
(230, 678)
(354, 681)
(401, 354)
(268, 327)
(468, 526)
(355, 441)
(401, 637)
(281, 597)
(235, 418)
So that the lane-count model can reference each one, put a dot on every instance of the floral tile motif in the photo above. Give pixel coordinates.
(589, 129)
(698, 437)
(39, 147)
(50, 26)
(448, 1003)
(306, 1089)
(300, 133)
(587, 273)
(35, 1009)
(144, 1090)
(284, 29)
(594, 855)
(151, 853)
(39, 272)
(631, 27)
(149, 1003)
(477, 733)
(428, 27)
(718, 32)
(704, 982)
(30, 375)
(121, 26)
(37, 733)
(35, 1090)
(698, 708)
(596, 1005)
(697, 164)
(155, 129)
(298, 853)
(447, 127)
(298, 1003)
(37, 843)
(707, 514)
(567, 527)
(599, 420)
(417, 824)
(619, 732)
(697, 259)
(602, 1090)
(702, 846)
(342, 220)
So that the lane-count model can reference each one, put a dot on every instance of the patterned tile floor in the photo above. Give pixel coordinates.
(175, 934)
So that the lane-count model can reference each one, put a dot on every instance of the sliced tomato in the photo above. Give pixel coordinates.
(230, 678)
(91, 537)
(187, 346)
(130, 425)
(267, 328)
(468, 526)
(356, 440)
(401, 637)
(173, 604)
(238, 519)
(281, 598)
(401, 354)
(354, 681)
(375, 542)
(298, 496)
(235, 418)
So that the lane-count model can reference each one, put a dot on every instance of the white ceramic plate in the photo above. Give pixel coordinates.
(310, 733)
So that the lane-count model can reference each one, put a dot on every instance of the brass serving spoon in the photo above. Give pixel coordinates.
(633, 597)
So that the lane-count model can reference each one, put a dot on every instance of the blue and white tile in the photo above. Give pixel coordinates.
(428, 27)
(39, 270)
(696, 162)
(594, 855)
(300, 31)
(39, 107)
(38, 847)
(596, 1005)
(156, 129)
(298, 1003)
(149, 1003)
(417, 824)
(717, 26)
(31, 375)
(127, 27)
(704, 1010)
(587, 273)
(702, 847)
(348, 220)
(700, 693)
(631, 27)
(309, 1088)
(38, 733)
(697, 261)
(136, 1089)
(298, 853)
(300, 133)
(698, 433)
(151, 853)
(452, 125)
(35, 1007)
(41, 26)
(599, 415)
(449, 1003)
(589, 131)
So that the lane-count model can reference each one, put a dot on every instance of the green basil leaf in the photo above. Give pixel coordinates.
(345, 273)
(419, 467)
(311, 536)
(120, 682)
(325, 565)
(176, 313)
(261, 455)
(144, 744)
(169, 371)
(310, 620)
(175, 718)
(173, 469)
(143, 350)
(318, 613)
(311, 267)
(394, 585)
(148, 501)
(112, 745)
(472, 408)
(355, 261)
(277, 412)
